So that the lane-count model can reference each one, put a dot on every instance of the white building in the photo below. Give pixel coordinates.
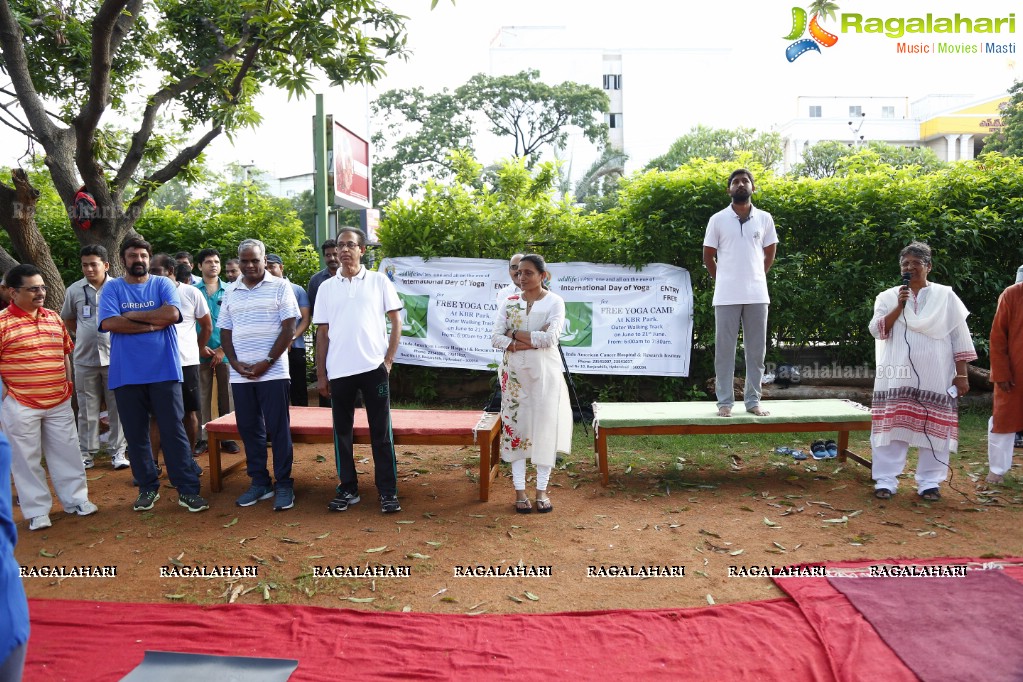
(953, 126)
(291, 186)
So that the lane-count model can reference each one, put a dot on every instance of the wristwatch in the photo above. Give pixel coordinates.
(269, 360)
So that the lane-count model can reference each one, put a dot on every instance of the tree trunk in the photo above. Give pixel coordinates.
(799, 392)
(18, 217)
(980, 378)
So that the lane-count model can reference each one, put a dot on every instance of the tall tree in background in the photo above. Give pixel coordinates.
(721, 144)
(831, 158)
(420, 131)
(72, 65)
(598, 187)
(535, 114)
(1010, 140)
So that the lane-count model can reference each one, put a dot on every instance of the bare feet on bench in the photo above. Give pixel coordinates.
(758, 411)
(724, 412)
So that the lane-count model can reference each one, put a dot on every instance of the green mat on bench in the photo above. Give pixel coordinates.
(705, 413)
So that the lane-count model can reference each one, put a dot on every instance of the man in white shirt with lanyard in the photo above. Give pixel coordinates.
(355, 352)
(92, 358)
(738, 251)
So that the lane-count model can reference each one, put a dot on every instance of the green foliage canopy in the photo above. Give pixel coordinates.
(829, 158)
(839, 236)
(422, 130)
(721, 144)
(1010, 140)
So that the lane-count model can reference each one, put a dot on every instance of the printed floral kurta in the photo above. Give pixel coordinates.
(536, 416)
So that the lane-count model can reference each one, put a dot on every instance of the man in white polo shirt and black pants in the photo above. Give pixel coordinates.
(353, 352)
(257, 324)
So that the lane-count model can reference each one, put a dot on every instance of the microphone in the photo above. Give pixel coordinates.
(906, 276)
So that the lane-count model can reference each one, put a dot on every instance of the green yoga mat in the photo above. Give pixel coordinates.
(705, 413)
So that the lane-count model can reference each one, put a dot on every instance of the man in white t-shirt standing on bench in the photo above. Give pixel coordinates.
(738, 251)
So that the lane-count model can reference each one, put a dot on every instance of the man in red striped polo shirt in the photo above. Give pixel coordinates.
(35, 365)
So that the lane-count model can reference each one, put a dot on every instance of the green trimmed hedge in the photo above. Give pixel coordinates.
(839, 236)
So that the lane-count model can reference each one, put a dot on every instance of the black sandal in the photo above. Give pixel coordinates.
(523, 506)
(930, 495)
(544, 506)
(883, 494)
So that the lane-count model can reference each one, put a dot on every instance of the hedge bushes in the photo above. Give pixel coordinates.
(839, 237)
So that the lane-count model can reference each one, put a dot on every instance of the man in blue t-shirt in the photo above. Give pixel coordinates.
(140, 312)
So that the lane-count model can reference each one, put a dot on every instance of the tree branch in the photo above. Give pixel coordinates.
(123, 26)
(17, 126)
(170, 92)
(12, 45)
(52, 115)
(171, 169)
(99, 77)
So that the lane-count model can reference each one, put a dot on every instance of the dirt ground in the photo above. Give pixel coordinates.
(767, 510)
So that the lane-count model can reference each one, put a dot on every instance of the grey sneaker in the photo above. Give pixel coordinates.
(88, 462)
(193, 503)
(254, 494)
(284, 498)
(84, 509)
(146, 500)
(39, 522)
(343, 501)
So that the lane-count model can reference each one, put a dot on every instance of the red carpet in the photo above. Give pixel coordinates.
(817, 635)
(856, 651)
(768, 640)
(916, 616)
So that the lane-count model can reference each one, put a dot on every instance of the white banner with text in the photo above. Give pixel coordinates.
(618, 320)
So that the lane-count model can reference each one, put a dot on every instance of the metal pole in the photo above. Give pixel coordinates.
(320, 176)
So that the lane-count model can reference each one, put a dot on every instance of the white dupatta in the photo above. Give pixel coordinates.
(938, 316)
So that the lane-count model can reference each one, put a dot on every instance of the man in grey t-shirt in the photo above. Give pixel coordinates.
(92, 358)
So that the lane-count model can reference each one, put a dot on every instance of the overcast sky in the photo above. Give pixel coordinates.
(755, 86)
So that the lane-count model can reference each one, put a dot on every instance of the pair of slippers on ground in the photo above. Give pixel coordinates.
(819, 449)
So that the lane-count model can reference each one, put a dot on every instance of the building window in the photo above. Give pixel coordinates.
(887, 112)
(856, 111)
(612, 81)
(613, 120)
(815, 111)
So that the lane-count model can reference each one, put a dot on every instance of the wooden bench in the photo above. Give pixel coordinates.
(409, 427)
(813, 416)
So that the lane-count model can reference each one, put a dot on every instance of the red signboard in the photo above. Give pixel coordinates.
(351, 169)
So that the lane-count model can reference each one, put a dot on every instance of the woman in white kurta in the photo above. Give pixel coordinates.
(535, 413)
(922, 350)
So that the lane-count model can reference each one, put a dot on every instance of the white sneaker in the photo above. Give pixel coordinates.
(84, 509)
(39, 522)
(120, 461)
(87, 462)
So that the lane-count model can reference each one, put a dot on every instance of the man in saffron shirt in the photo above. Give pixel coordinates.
(37, 416)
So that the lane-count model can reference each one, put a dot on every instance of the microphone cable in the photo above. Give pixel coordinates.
(916, 397)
